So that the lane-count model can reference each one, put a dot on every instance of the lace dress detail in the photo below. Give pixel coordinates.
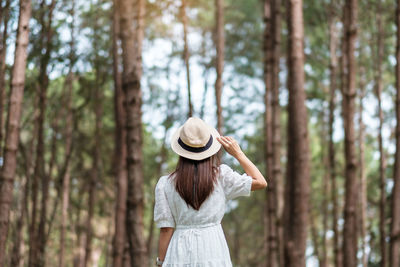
(198, 239)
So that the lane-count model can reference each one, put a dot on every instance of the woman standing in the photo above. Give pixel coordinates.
(190, 202)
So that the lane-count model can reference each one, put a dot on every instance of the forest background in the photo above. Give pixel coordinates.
(309, 90)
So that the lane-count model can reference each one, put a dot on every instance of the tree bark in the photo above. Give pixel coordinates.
(272, 128)
(363, 177)
(220, 45)
(68, 141)
(325, 190)
(348, 108)
(4, 18)
(186, 55)
(395, 205)
(132, 63)
(45, 179)
(18, 239)
(333, 67)
(298, 161)
(96, 168)
(382, 159)
(120, 149)
(13, 122)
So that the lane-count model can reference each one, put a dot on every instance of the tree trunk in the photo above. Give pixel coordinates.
(395, 225)
(45, 179)
(131, 40)
(220, 45)
(298, 161)
(363, 177)
(13, 121)
(333, 67)
(186, 55)
(16, 252)
(314, 236)
(4, 18)
(96, 168)
(120, 149)
(79, 251)
(382, 158)
(348, 107)
(325, 190)
(68, 142)
(272, 127)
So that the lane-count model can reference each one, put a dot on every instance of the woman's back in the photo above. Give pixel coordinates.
(198, 239)
(230, 185)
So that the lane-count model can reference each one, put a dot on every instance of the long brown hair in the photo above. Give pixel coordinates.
(194, 179)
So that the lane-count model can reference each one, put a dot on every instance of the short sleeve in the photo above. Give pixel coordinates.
(234, 183)
(162, 211)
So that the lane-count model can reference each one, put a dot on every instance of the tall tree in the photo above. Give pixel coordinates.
(4, 18)
(186, 54)
(131, 41)
(382, 159)
(13, 121)
(348, 109)
(298, 166)
(271, 48)
(362, 174)
(120, 147)
(333, 68)
(96, 169)
(37, 234)
(395, 206)
(220, 45)
(65, 188)
(47, 33)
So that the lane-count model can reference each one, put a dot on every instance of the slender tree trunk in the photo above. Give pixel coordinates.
(27, 154)
(186, 55)
(206, 65)
(79, 252)
(298, 161)
(349, 93)
(220, 45)
(13, 121)
(270, 208)
(395, 205)
(325, 189)
(333, 68)
(382, 159)
(276, 126)
(272, 126)
(132, 62)
(45, 179)
(363, 177)
(314, 236)
(4, 18)
(16, 252)
(68, 142)
(96, 168)
(120, 148)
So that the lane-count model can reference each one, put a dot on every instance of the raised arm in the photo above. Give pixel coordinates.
(232, 147)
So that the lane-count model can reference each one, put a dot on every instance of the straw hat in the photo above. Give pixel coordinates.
(195, 140)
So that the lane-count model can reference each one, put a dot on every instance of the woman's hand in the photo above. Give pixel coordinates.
(230, 145)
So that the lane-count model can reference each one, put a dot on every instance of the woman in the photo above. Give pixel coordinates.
(190, 202)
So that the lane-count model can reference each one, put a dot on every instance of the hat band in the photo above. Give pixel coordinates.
(196, 149)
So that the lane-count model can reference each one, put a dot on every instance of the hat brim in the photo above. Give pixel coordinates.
(213, 149)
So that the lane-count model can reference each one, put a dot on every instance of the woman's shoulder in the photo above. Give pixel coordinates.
(165, 180)
(224, 169)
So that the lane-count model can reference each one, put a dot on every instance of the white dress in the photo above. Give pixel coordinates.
(198, 239)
